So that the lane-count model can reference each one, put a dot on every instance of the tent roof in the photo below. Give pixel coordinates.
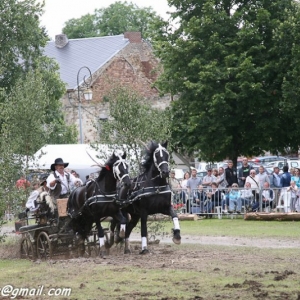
(77, 155)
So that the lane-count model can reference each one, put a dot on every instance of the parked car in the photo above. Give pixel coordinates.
(280, 164)
(267, 159)
(201, 174)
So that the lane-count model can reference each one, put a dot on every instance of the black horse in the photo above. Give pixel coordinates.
(151, 194)
(98, 199)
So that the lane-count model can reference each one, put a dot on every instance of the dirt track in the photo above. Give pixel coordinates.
(255, 268)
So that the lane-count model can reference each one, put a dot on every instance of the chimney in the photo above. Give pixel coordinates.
(61, 40)
(133, 36)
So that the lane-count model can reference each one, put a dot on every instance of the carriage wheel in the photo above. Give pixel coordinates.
(44, 248)
(27, 250)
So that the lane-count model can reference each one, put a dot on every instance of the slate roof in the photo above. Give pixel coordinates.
(90, 52)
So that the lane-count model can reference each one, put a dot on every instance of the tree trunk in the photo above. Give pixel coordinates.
(181, 217)
(272, 216)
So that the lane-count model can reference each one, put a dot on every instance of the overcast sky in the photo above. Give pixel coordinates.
(57, 12)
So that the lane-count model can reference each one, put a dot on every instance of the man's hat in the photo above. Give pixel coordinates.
(58, 161)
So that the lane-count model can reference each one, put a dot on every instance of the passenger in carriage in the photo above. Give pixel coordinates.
(44, 196)
(31, 204)
(43, 185)
(60, 182)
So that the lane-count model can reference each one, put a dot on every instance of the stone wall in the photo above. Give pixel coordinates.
(134, 67)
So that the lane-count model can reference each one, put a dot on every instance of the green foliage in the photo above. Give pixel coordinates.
(26, 126)
(133, 121)
(21, 38)
(116, 19)
(238, 81)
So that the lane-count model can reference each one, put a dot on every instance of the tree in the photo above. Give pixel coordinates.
(21, 38)
(24, 129)
(133, 123)
(115, 19)
(237, 83)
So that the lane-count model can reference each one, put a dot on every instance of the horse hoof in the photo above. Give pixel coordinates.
(103, 252)
(145, 251)
(176, 237)
(127, 251)
(122, 234)
(176, 241)
(107, 245)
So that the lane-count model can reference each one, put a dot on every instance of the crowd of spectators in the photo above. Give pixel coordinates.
(233, 190)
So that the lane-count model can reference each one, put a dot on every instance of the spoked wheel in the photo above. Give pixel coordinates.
(27, 250)
(44, 248)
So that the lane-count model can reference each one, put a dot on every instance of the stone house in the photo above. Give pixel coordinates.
(124, 59)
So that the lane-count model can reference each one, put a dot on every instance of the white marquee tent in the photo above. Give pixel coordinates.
(77, 155)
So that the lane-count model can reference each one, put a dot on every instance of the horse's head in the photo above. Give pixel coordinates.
(161, 159)
(120, 169)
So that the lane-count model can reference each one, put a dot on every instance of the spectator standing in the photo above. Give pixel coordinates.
(215, 173)
(221, 182)
(209, 178)
(230, 174)
(186, 177)
(253, 180)
(285, 180)
(175, 186)
(296, 177)
(22, 183)
(297, 204)
(192, 185)
(276, 177)
(275, 184)
(244, 171)
(262, 177)
(292, 171)
(294, 191)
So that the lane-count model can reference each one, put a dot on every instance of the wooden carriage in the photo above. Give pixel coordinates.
(52, 237)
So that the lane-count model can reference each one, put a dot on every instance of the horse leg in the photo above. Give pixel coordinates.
(112, 239)
(132, 223)
(103, 252)
(120, 218)
(176, 231)
(144, 233)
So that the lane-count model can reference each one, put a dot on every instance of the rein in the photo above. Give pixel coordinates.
(103, 197)
(137, 194)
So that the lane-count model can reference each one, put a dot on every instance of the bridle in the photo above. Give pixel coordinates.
(116, 170)
(160, 149)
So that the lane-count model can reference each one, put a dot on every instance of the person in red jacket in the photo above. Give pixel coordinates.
(22, 183)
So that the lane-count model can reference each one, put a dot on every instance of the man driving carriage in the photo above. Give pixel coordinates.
(60, 182)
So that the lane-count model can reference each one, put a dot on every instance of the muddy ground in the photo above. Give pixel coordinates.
(226, 268)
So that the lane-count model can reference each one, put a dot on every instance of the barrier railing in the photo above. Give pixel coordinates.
(209, 202)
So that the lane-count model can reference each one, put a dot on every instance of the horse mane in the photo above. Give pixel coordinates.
(108, 166)
(148, 155)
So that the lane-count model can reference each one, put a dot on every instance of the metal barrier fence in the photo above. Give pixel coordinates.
(208, 202)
